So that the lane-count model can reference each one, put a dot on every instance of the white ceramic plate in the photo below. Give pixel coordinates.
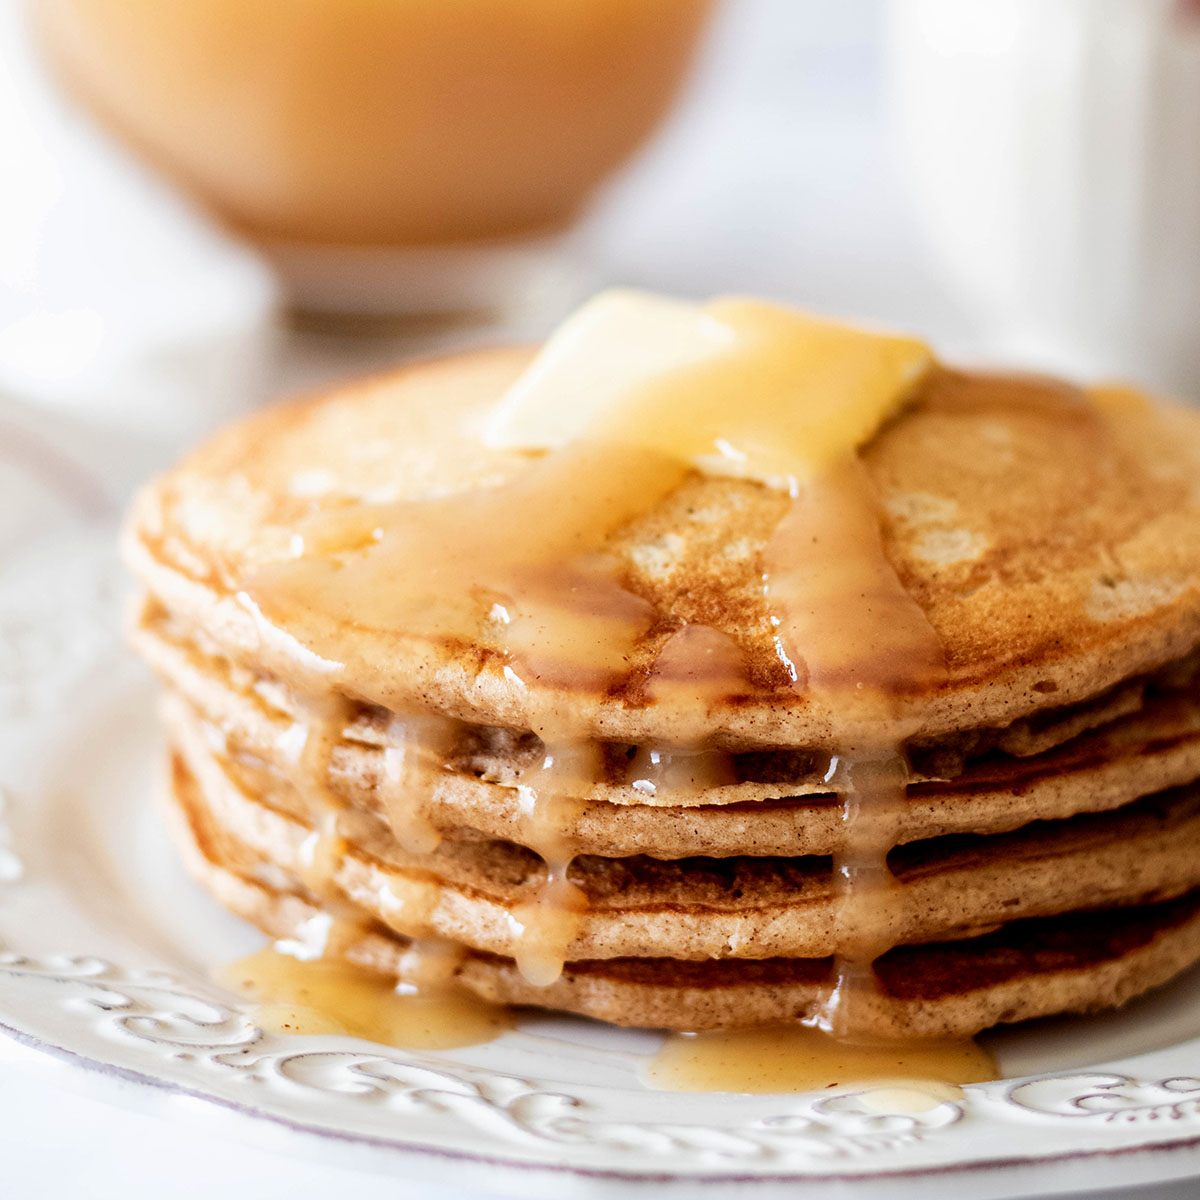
(105, 953)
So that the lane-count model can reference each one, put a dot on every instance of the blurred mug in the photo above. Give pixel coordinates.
(1053, 150)
(406, 155)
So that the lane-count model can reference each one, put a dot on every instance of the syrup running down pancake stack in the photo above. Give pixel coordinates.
(717, 667)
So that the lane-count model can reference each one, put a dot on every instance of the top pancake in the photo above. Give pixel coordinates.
(1053, 543)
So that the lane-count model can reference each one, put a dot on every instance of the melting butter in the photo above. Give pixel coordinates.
(327, 996)
(735, 386)
(793, 396)
(904, 1076)
(595, 359)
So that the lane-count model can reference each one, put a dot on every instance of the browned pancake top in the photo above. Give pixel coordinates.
(1054, 545)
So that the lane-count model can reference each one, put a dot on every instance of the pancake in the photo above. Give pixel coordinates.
(913, 738)
(469, 890)
(1153, 745)
(1027, 970)
(1054, 551)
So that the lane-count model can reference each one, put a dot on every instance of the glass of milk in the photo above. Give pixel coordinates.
(1053, 151)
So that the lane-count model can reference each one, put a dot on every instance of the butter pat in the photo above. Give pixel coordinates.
(733, 387)
(607, 350)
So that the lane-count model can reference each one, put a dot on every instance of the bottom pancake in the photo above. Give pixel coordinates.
(1077, 962)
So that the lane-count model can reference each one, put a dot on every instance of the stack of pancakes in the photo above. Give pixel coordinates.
(1050, 842)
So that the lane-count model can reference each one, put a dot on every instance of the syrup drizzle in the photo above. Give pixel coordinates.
(860, 647)
(311, 743)
(546, 926)
(543, 593)
(698, 669)
(791, 401)
(413, 755)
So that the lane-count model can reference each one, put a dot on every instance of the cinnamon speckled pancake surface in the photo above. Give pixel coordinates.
(1054, 545)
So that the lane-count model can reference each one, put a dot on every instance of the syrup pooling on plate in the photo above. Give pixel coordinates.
(331, 996)
(918, 1075)
(306, 985)
(778, 397)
